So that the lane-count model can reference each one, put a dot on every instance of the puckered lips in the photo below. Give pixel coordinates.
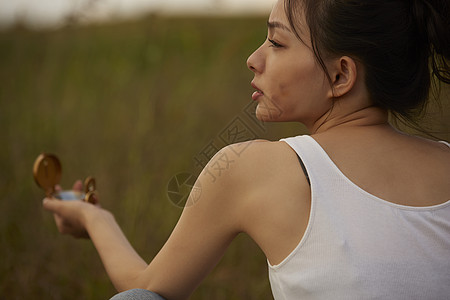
(257, 93)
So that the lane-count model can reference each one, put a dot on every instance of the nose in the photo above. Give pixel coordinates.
(255, 61)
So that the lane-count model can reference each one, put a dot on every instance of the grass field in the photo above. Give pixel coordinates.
(133, 104)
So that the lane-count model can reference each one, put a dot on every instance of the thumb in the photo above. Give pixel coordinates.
(51, 204)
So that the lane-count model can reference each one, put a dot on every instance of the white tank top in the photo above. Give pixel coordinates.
(358, 246)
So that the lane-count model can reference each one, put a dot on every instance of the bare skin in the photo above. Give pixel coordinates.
(264, 192)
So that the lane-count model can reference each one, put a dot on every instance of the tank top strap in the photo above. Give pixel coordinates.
(445, 143)
(316, 161)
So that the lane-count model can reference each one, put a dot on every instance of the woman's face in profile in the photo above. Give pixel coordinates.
(289, 83)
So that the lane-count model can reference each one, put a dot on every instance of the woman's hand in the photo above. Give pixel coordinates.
(70, 216)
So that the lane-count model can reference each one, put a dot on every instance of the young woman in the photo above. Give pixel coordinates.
(356, 210)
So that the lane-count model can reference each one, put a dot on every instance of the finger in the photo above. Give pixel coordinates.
(65, 227)
(78, 185)
(51, 204)
(58, 188)
(94, 199)
(59, 223)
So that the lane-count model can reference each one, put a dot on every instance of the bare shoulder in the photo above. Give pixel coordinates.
(256, 159)
(269, 192)
(248, 166)
(441, 148)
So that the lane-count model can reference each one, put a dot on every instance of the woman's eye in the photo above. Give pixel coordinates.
(274, 44)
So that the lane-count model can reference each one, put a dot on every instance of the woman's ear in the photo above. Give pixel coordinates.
(343, 75)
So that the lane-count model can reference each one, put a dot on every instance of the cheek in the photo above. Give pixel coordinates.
(293, 85)
(306, 81)
(299, 77)
(300, 92)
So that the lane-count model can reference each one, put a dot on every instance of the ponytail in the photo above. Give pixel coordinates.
(433, 27)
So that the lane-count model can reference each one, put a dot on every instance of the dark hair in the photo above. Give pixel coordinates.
(399, 42)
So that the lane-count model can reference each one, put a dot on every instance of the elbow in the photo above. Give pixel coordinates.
(136, 281)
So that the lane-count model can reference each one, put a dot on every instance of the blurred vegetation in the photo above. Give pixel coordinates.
(132, 104)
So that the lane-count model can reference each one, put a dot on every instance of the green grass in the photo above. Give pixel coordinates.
(132, 104)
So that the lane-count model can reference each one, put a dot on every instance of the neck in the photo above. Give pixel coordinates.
(339, 117)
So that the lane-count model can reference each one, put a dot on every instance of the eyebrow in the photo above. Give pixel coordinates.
(278, 25)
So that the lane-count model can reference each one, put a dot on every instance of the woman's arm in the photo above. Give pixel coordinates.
(209, 222)
(81, 219)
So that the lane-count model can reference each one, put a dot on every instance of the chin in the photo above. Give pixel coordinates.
(268, 112)
(264, 117)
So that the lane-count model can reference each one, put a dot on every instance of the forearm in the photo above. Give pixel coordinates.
(122, 263)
